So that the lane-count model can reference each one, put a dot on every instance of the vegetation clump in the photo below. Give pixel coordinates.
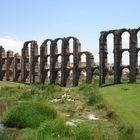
(28, 115)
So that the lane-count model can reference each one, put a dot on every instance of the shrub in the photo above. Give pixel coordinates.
(28, 115)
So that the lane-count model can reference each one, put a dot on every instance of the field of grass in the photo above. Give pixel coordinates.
(124, 99)
(64, 113)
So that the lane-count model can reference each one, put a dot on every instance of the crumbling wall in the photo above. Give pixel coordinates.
(32, 67)
(118, 51)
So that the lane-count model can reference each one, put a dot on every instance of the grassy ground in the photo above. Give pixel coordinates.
(124, 99)
(10, 84)
(73, 107)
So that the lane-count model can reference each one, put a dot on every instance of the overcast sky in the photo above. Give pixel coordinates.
(22, 20)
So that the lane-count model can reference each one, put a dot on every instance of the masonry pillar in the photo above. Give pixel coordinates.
(103, 58)
(53, 53)
(133, 55)
(89, 70)
(34, 62)
(9, 66)
(25, 62)
(64, 62)
(17, 67)
(76, 59)
(43, 54)
(117, 57)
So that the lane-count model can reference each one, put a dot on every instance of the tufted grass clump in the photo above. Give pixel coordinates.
(28, 115)
(50, 88)
(83, 133)
(56, 128)
(91, 93)
(6, 136)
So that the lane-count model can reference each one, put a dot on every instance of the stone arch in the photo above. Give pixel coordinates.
(89, 62)
(25, 62)
(29, 62)
(109, 39)
(44, 60)
(104, 56)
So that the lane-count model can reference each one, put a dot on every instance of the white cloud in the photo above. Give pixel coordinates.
(11, 44)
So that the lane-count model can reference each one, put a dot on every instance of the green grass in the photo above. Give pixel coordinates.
(31, 103)
(124, 99)
(28, 115)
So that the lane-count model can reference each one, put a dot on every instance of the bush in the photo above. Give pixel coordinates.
(28, 115)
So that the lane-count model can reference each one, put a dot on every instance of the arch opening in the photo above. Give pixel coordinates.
(71, 45)
(125, 40)
(125, 58)
(70, 78)
(82, 77)
(82, 63)
(59, 46)
(110, 59)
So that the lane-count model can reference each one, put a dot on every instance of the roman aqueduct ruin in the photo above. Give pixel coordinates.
(44, 67)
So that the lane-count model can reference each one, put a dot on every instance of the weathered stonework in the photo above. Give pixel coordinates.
(28, 69)
(118, 51)
(45, 67)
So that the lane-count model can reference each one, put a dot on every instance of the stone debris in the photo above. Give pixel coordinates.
(92, 117)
